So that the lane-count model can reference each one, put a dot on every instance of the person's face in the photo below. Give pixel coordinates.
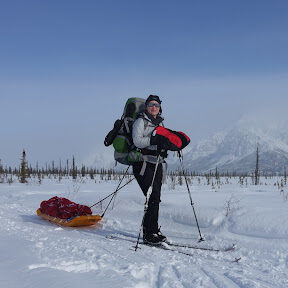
(152, 108)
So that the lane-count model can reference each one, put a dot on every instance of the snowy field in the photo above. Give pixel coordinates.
(37, 253)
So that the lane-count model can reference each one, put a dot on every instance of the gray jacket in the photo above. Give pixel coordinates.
(141, 134)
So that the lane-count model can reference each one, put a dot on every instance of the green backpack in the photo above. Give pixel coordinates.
(125, 152)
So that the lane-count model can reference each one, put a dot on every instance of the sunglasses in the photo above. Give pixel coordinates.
(150, 104)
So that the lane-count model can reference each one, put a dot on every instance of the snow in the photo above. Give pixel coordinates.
(37, 253)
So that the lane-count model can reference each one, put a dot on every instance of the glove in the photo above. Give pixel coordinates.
(154, 139)
(163, 154)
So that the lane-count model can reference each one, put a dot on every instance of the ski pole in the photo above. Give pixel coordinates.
(191, 201)
(147, 201)
(113, 193)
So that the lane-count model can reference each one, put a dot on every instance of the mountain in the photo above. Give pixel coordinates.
(234, 150)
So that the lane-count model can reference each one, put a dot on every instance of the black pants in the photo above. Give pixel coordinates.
(150, 224)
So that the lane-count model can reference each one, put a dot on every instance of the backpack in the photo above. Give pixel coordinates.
(125, 152)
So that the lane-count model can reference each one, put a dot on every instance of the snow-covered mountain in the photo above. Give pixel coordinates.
(235, 148)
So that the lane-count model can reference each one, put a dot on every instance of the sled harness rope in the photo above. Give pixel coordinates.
(114, 193)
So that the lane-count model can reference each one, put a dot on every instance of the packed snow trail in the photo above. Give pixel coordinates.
(37, 253)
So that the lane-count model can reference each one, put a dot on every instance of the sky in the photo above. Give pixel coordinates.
(68, 67)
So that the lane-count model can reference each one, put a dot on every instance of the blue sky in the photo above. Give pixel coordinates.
(67, 68)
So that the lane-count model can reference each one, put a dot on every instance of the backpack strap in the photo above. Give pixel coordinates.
(142, 171)
(126, 123)
(146, 152)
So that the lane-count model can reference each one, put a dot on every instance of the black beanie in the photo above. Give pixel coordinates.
(153, 98)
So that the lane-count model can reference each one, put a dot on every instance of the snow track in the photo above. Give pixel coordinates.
(42, 254)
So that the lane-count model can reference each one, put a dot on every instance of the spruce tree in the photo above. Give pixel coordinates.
(60, 168)
(53, 167)
(23, 168)
(83, 171)
(257, 167)
(91, 173)
(74, 169)
(285, 176)
(217, 176)
(180, 180)
(1, 172)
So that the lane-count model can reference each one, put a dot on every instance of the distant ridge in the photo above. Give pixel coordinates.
(234, 150)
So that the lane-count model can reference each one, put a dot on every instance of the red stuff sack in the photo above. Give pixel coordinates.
(63, 208)
(169, 139)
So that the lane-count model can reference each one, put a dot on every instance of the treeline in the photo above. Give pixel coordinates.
(70, 169)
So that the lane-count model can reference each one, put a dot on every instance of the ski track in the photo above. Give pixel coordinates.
(75, 257)
(219, 281)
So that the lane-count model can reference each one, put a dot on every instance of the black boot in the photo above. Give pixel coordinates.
(152, 239)
(161, 237)
(149, 237)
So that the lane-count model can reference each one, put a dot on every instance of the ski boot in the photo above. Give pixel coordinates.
(161, 237)
(151, 239)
